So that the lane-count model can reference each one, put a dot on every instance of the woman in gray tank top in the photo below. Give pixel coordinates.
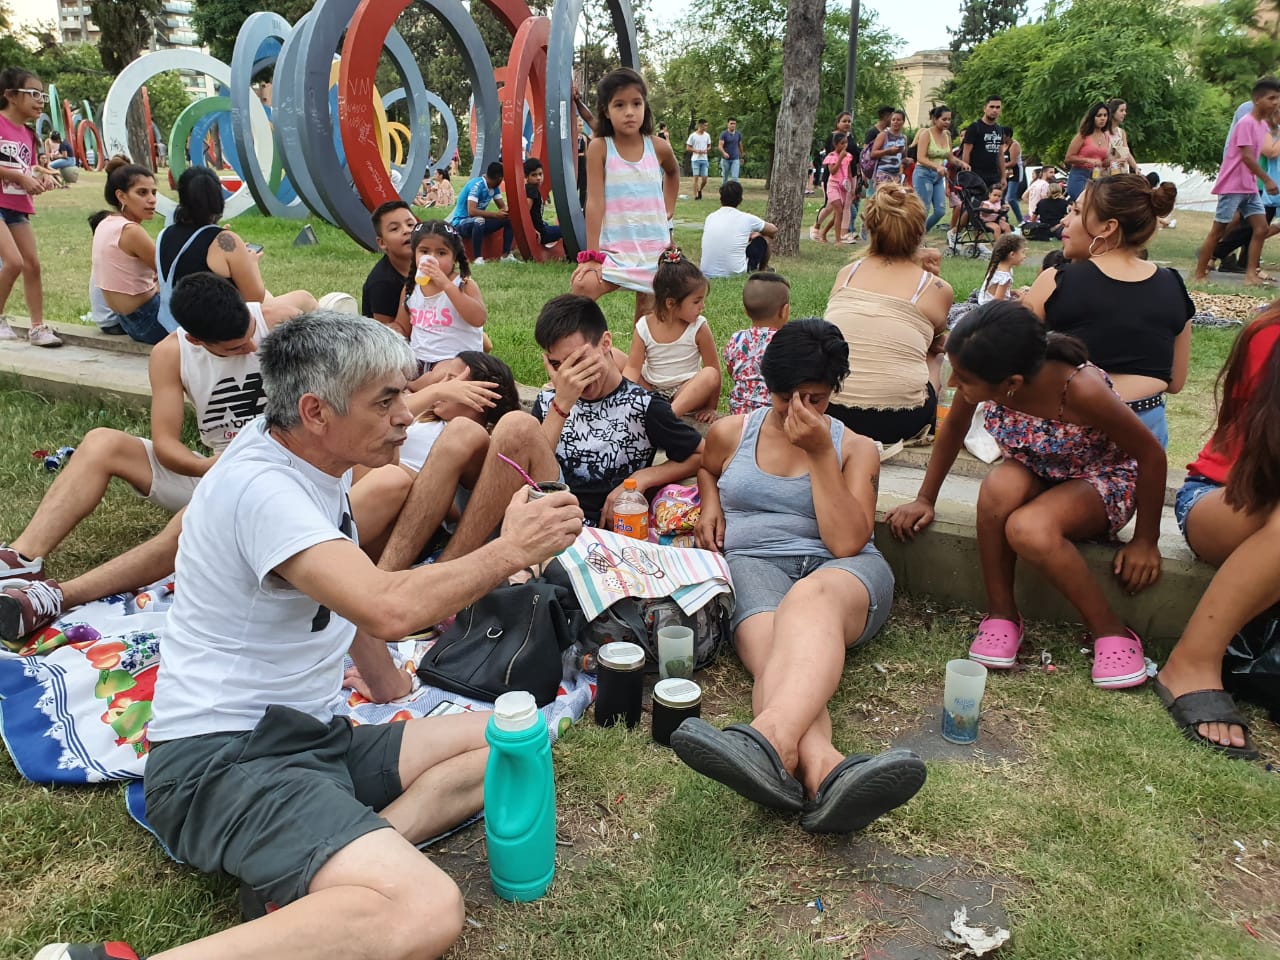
(789, 496)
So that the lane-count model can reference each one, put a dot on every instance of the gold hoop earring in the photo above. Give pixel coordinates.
(1092, 252)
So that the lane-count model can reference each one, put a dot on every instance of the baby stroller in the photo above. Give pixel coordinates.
(971, 190)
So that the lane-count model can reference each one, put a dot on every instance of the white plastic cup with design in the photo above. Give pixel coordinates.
(962, 700)
(675, 653)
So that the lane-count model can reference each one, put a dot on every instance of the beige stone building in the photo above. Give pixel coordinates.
(922, 73)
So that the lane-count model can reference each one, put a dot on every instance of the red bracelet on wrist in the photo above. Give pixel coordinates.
(556, 407)
(590, 256)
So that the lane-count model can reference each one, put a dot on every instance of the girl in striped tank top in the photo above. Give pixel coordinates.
(632, 183)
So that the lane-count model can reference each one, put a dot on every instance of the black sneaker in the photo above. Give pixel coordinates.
(1230, 264)
(86, 951)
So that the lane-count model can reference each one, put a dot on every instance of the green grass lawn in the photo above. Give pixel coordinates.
(1102, 833)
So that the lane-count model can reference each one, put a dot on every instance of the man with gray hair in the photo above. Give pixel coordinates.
(250, 773)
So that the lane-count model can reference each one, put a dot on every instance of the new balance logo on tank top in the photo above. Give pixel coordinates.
(227, 392)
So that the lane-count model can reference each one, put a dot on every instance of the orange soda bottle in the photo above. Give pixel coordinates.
(631, 512)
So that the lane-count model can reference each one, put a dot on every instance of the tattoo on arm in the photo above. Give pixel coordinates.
(937, 284)
(875, 483)
(226, 241)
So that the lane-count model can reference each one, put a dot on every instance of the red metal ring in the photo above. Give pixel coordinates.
(526, 83)
(361, 50)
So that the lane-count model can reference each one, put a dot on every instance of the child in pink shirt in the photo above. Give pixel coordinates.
(22, 100)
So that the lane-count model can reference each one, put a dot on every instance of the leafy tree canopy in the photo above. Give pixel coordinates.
(980, 20)
(1238, 41)
(218, 21)
(725, 60)
(1050, 72)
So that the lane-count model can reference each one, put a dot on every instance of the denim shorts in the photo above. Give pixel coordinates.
(1157, 422)
(1193, 490)
(13, 218)
(760, 583)
(700, 166)
(1248, 204)
(143, 325)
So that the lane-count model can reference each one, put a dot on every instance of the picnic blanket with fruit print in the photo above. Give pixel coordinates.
(76, 699)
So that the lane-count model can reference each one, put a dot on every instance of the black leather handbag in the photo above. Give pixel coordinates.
(510, 639)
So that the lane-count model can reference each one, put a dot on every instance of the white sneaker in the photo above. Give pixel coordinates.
(510, 258)
(6, 331)
(478, 262)
(1171, 225)
(43, 336)
(984, 250)
(951, 239)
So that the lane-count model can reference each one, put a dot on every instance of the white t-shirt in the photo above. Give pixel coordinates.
(239, 638)
(724, 241)
(437, 330)
(699, 144)
(1000, 278)
(418, 441)
(667, 366)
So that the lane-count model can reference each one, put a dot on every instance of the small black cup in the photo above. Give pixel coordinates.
(619, 684)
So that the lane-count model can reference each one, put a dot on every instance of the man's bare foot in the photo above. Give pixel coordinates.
(1179, 682)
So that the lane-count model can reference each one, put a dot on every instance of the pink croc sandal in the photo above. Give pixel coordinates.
(996, 645)
(1118, 662)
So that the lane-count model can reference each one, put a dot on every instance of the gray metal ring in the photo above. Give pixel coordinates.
(257, 29)
(290, 121)
(446, 115)
(562, 146)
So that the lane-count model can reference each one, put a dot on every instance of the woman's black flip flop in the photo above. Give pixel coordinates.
(862, 788)
(741, 758)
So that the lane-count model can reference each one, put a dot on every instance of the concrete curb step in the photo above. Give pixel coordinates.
(84, 335)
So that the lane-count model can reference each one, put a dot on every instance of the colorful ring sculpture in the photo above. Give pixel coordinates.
(332, 144)
(131, 80)
(371, 22)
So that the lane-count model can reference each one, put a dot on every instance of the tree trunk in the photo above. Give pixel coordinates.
(136, 126)
(793, 132)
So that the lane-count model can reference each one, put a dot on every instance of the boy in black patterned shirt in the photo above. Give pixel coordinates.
(604, 429)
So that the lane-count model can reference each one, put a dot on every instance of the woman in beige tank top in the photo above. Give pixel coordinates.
(894, 316)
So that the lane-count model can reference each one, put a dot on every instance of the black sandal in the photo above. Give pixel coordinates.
(741, 758)
(861, 789)
(1206, 706)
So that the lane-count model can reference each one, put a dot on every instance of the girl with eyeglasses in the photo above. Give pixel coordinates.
(22, 100)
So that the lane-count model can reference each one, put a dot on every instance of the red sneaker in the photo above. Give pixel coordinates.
(27, 606)
(14, 566)
(87, 951)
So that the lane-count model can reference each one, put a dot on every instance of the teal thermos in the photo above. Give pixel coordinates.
(519, 800)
